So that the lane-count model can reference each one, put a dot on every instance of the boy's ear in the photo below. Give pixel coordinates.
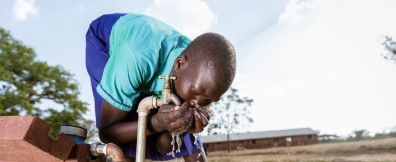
(180, 63)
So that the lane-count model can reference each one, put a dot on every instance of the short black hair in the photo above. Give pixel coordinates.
(216, 52)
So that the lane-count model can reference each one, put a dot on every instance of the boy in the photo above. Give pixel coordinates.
(125, 55)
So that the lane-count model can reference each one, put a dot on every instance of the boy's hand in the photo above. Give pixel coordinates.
(173, 118)
(201, 119)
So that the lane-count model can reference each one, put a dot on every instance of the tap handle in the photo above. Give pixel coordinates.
(167, 80)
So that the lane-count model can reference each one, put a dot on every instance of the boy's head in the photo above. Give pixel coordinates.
(205, 69)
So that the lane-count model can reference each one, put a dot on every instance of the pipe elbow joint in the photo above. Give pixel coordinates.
(146, 104)
(109, 149)
(115, 152)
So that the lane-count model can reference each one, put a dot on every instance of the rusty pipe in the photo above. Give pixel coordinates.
(109, 149)
(144, 107)
(115, 152)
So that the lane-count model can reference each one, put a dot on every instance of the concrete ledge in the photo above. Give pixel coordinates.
(25, 138)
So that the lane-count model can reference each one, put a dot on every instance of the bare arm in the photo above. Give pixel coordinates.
(198, 156)
(114, 127)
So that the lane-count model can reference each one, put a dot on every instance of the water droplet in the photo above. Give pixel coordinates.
(176, 144)
(196, 139)
(199, 155)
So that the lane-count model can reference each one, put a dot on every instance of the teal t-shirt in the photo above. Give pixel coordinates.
(141, 49)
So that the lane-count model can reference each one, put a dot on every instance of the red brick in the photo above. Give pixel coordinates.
(25, 138)
(79, 153)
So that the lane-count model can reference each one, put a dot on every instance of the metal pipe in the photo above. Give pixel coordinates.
(175, 100)
(203, 154)
(109, 149)
(143, 108)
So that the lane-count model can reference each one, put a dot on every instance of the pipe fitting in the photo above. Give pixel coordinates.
(96, 149)
(109, 149)
(146, 104)
(115, 152)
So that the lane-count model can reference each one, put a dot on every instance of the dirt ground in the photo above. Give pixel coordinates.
(369, 150)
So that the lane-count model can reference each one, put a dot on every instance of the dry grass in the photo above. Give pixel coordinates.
(370, 150)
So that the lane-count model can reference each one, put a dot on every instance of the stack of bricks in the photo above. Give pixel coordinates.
(25, 138)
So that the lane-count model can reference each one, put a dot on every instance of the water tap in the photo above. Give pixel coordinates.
(167, 80)
(167, 95)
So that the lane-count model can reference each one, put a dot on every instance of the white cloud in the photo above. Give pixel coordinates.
(24, 8)
(191, 18)
(296, 9)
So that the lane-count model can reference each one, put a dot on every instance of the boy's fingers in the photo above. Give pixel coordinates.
(188, 119)
(198, 122)
(209, 109)
(180, 110)
(204, 111)
(204, 120)
(177, 125)
(183, 129)
(183, 107)
(183, 123)
(166, 108)
(182, 118)
(176, 112)
(187, 115)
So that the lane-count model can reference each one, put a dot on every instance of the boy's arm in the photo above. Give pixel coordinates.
(114, 126)
(198, 156)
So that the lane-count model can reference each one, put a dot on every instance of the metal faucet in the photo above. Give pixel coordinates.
(144, 107)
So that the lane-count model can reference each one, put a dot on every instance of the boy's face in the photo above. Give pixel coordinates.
(198, 86)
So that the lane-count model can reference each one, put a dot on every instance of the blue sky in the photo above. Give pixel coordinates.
(307, 63)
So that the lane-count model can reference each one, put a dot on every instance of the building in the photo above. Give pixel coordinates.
(264, 139)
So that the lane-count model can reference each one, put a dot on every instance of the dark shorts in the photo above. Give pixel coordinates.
(97, 55)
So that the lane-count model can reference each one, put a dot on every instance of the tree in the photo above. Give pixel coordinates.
(390, 47)
(32, 87)
(359, 135)
(229, 114)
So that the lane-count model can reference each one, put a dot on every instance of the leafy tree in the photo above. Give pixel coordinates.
(390, 54)
(359, 135)
(32, 87)
(390, 47)
(229, 114)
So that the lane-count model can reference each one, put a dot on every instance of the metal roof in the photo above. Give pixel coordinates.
(258, 135)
